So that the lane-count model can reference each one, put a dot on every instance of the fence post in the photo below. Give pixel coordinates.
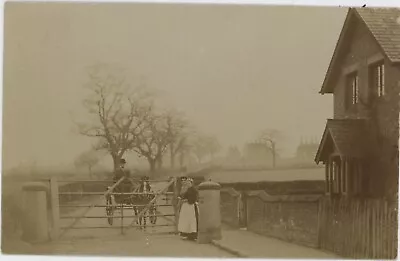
(36, 227)
(175, 202)
(320, 224)
(55, 208)
(122, 218)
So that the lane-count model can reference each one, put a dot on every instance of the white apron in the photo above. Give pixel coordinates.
(187, 218)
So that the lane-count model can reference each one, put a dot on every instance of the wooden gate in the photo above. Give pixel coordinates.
(62, 199)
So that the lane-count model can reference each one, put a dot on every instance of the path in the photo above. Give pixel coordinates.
(259, 246)
(134, 244)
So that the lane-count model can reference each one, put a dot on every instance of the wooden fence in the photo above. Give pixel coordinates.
(349, 227)
(358, 228)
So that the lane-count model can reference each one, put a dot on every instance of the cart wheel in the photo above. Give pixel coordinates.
(153, 217)
(109, 211)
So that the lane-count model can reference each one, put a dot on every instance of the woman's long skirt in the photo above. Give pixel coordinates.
(188, 220)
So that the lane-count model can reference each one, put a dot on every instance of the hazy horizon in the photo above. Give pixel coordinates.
(233, 69)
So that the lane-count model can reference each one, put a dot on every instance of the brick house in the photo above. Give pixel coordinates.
(359, 146)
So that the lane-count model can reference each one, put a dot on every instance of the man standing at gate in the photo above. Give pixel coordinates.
(121, 171)
(126, 185)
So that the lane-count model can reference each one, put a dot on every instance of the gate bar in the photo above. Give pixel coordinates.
(150, 180)
(103, 206)
(118, 227)
(130, 216)
(114, 193)
(152, 201)
(122, 219)
(111, 189)
(85, 180)
(106, 180)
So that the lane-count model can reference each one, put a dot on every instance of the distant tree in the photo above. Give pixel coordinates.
(205, 146)
(87, 159)
(185, 149)
(269, 138)
(213, 146)
(233, 154)
(178, 132)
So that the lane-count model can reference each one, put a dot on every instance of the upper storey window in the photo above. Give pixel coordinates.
(352, 94)
(377, 78)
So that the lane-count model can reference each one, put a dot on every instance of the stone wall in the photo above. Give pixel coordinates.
(290, 218)
(230, 207)
(280, 187)
(293, 218)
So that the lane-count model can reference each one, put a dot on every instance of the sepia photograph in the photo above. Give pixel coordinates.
(188, 130)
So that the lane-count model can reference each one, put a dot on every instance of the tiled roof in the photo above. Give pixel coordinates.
(351, 138)
(384, 24)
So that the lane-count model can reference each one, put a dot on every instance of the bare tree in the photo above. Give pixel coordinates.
(118, 111)
(153, 140)
(87, 159)
(178, 132)
(212, 146)
(200, 148)
(205, 146)
(270, 138)
(184, 151)
(233, 155)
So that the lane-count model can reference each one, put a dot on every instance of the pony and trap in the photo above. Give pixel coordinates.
(132, 194)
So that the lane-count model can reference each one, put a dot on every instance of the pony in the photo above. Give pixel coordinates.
(141, 200)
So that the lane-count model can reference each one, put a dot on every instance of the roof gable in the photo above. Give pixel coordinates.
(384, 26)
(350, 137)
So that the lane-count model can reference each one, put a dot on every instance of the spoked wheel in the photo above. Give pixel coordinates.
(109, 211)
(153, 216)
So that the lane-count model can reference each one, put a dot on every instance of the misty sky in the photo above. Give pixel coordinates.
(234, 70)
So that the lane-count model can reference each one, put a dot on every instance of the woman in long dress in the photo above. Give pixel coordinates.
(188, 216)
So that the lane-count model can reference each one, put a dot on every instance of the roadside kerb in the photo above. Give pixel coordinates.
(232, 251)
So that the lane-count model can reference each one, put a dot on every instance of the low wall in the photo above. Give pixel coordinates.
(230, 207)
(292, 218)
(280, 187)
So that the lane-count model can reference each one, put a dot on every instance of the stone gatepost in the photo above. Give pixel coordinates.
(209, 212)
(35, 227)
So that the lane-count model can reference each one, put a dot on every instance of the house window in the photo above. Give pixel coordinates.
(352, 94)
(327, 177)
(336, 173)
(377, 78)
(344, 177)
